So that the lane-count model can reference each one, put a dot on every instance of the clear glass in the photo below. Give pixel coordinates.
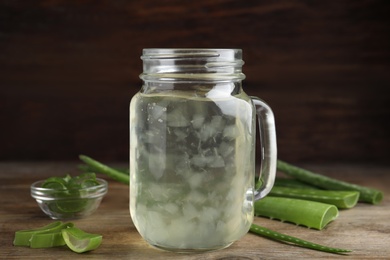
(69, 204)
(192, 150)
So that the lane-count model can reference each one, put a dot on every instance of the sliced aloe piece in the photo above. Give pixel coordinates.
(49, 238)
(308, 213)
(32, 236)
(341, 199)
(79, 241)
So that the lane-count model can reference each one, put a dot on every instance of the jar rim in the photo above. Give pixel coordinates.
(173, 64)
(188, 53)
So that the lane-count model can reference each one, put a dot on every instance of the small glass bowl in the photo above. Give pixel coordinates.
(69, 203)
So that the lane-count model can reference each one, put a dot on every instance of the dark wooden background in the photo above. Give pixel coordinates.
(68, 70)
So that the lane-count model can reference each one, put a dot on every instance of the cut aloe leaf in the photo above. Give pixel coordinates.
(341, 199)
(367, 194)
(311, 214)
(23, 237)
(54, 183)
(79, 241)
(47, 240)
(47, 236)
(292, 183)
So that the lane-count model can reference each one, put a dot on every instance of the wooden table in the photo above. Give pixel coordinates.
(365, 229)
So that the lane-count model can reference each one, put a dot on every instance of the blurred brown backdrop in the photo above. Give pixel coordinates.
(68, 70)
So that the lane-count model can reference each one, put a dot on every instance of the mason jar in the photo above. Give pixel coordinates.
(192, 150)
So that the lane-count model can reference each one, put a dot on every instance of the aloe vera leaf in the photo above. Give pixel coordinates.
(50, 238)
(23, 237)
(308, 213)
(47, 240)
(292, 183)
(368, 195)
(265, 232)
(102, 168)
(87, 168)
(79, 241)
(341, 199)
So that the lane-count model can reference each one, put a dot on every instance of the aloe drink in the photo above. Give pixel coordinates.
(192, 180)
(192, 149)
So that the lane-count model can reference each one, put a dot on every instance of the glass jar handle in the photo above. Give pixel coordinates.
(267, 131)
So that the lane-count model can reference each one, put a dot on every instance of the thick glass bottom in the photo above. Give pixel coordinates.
(192, 250)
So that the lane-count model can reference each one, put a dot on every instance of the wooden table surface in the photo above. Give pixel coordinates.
(364, 229)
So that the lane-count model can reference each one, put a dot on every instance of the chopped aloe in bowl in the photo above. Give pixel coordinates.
(69, 197)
